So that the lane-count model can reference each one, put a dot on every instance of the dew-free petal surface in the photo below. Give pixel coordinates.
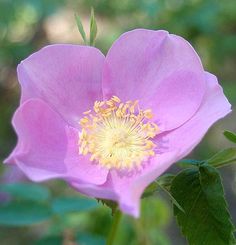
(47, 146)
(126, 189)
(68, 77)
(42, 141)
(214, 107)
(161, 70)
(175, 145)
(104, 191)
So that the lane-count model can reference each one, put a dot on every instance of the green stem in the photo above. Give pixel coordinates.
(115, 223)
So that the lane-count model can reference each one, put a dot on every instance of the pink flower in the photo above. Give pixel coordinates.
(111, 125)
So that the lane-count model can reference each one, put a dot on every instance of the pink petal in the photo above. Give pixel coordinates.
(173, 146)
(161, 70)
(214, 106)
(42, 150)
(42, 141)
(127, 189)
(68, 77)
(104, 191)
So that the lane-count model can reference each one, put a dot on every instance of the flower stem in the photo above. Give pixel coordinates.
(115, 223)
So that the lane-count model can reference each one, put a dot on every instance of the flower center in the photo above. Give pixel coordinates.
(117, 135)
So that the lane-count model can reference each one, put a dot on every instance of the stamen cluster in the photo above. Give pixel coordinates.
(117, 135)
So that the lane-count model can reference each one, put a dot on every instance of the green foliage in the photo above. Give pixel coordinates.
(31, 203)
(51, 240)
(28, 191)
(81, 28)
(222, 158)
(150, 230)
(167, 190)
(89, 239)
(230, 136)
(158, 207)
(163, 182)
(188, 162)
(64, 205)
(150, 190)
(110, 204)
(93, 29)
(206, 219)
(24, 213)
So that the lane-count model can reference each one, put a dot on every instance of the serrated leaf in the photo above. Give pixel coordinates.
(162, 183)
(222, 158)
(150, 190)
(164, 180)
(24, 213)
(230, 136)
(206, 219)
(81, 28)
(27, 191)
(93, 29)
(63, 205)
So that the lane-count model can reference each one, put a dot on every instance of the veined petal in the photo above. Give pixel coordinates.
(214, 107)
(68, 77)
(44, 142)
(161, 70)
(176, 144)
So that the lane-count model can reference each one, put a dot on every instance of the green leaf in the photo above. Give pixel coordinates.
(222, 158)
(162, 183)
(230, 136)
(63, 205)
(26, 191)
(188, 162)
(81, 28)
(24, 213)
(164, 180)
(206, 219)
(150, 190)
(93, 28)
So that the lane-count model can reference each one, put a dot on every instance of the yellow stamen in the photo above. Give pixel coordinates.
(117, 135)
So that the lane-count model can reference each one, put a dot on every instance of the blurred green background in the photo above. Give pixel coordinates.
(26, 26)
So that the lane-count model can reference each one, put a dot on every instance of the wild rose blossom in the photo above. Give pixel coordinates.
(111, 125)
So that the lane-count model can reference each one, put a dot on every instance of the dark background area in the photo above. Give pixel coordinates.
(28, 25)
